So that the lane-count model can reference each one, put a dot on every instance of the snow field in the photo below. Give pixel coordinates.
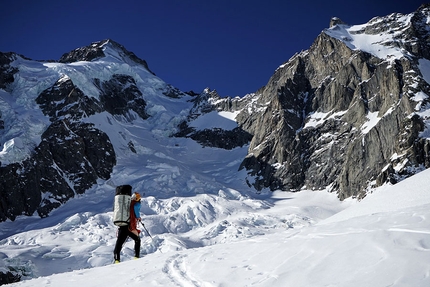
(357, 246)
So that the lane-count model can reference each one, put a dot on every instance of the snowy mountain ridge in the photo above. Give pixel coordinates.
(374, 38)
(349, 113)
(35, 77)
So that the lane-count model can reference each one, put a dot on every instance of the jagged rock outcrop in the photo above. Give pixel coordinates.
(207, 102)
(335, 21)
(6, 71)
(340, 116)
(9, 277)
(70, 158)
(216, 137)
(96, 51)
(131, 96)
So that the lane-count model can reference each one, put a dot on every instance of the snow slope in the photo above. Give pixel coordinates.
(379, 43)
(384, 240)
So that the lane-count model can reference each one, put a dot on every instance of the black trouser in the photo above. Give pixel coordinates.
(123, 233)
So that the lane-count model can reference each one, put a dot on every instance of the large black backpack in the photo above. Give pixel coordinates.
(121, 206)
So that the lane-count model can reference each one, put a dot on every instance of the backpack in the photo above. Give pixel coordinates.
(121, 206)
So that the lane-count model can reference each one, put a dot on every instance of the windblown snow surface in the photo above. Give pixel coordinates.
(208, 228)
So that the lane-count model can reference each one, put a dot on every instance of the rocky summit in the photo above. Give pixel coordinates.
(348, 114)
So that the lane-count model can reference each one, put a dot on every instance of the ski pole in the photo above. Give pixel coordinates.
(143, 225)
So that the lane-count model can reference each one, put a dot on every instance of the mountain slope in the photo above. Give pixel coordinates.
(350, 113)
(48, 137)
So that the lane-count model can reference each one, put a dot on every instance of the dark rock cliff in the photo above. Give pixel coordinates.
(217, 137)
(341, 89)
(339, 117)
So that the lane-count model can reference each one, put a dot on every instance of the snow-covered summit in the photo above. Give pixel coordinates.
(389, 37)
(23, 121)
(105, 48)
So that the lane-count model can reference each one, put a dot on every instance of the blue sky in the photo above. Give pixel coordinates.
(232, 46)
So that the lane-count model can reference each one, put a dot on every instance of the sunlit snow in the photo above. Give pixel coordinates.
(372, 120)
(356, 38)
(287, 239)
(318, 118)
(224, 120)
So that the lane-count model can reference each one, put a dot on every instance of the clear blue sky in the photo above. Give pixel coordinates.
(232, 46)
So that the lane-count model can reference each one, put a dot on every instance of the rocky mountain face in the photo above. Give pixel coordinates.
(343, 114)
(207, 102)
(72, 155)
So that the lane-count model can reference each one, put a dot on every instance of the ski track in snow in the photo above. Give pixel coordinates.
(176, 270)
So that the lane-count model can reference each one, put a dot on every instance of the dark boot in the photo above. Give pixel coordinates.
(137, 248)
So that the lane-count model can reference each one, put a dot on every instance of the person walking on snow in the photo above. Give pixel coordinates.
(130, 229)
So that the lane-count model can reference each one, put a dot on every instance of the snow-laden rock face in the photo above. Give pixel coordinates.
(52, 150)
(349, 113)
(212, 122)
(103, 49)
(391, 37)
(6, 71)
